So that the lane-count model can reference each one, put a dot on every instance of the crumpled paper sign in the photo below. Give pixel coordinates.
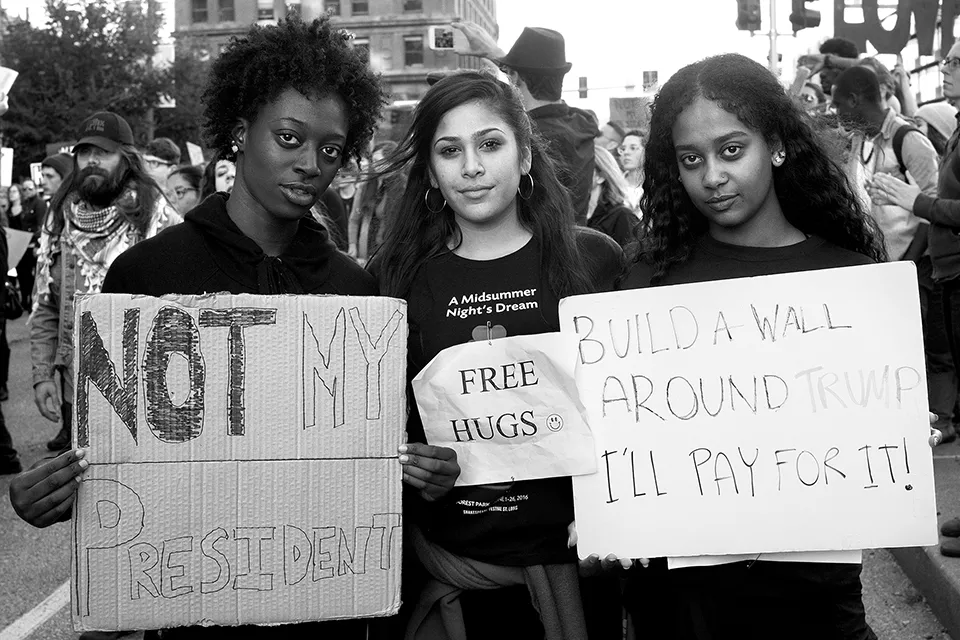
(509, 407)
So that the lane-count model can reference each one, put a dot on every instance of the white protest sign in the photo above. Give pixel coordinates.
(35, 173)
(6, 166)
(508, 407)
(242, 459)
(17, 243)
(779, 413)
(195, 153)
(7, 77)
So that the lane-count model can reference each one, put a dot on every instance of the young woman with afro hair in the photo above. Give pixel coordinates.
(737, 185)
(289, 103)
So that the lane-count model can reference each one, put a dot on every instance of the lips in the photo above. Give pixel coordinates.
(299, 193)
(475, 192)
(721, 203)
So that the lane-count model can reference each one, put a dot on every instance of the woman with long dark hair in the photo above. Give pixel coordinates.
(484, 217)
(736, 185)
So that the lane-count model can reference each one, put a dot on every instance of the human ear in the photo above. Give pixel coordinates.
(239, 133)
(778, 152)
(433, 180)
(526, 160)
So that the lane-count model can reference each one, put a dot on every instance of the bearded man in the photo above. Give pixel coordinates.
(109, 204)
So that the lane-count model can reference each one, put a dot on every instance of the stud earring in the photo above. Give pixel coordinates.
(779, 158)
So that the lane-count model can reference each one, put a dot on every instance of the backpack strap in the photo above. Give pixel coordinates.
(898, 137)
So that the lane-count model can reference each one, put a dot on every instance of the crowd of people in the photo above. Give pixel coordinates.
(500, 183)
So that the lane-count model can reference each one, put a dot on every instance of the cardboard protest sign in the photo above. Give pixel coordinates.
(6, 166)
(242, 459)
(17, 243)
(779, 413)
(195, 153)
(508, 407)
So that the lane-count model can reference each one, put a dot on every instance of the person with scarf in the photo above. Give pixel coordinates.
(288, 103)
(109, 205)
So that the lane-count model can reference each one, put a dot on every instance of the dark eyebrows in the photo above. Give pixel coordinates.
(727, 137)
(478, 134)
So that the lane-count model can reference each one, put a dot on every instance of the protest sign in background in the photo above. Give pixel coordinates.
(242, 459)
(508, 407)
(780, 413)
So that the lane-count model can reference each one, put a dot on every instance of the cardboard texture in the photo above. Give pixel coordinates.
(243, 459)
(17, 244)
(785, 413)
(509, 407)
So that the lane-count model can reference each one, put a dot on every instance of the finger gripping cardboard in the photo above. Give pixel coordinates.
(242, 459)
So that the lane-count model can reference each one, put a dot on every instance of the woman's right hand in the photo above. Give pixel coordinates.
(47, 397)
(43, 494)
(432, 470)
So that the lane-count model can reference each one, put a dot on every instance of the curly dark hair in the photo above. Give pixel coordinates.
(315, 59)
(812, 189)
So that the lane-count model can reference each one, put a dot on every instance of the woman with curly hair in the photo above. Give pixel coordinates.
(288, 103)
(737, 185)
(484, 216)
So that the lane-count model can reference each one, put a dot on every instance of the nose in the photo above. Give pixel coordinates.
(307, 162)
(713, 174)
(472, 166)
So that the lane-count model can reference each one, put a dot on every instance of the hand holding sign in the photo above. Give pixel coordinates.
(43, 494)
(433, 470)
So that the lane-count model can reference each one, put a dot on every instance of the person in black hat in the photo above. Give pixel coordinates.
(55, 169)
(535, 65)
(107, 204)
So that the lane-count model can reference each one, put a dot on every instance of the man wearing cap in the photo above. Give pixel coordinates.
(160, 158)
(536, 65)
(55, 169)
(106, 204)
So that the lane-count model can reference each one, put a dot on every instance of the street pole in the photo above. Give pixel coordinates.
(774, 58)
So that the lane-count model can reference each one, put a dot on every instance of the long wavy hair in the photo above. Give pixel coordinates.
(614, 189)
(136, 202)
(414, 235)
(812, 189)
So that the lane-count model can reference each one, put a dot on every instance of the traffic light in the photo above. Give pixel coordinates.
(583, 86)
(803, 18)
(748, 15)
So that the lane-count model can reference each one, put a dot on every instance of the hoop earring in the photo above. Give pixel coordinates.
(426, 200)
(520, 187)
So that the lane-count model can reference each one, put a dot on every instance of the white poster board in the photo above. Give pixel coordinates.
(779, 413)
(242, 459)
(17, 243)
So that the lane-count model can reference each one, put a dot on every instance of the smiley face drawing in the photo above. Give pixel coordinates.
(554, 422)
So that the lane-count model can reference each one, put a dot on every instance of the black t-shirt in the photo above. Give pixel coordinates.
(763, 599)
(454, 300)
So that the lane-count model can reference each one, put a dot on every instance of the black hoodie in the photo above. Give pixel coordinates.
(208, 253)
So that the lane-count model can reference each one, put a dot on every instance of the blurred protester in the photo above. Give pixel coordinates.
(4, 207)
(329, 212)
(610, 212)
(218, 177)
(904, 93)
(34, 211)
(55, 169)
(812, 98)
(937, 121)
(184, 186)
(890, 146)
(15, 198)
(836, 54)
(376, 195)
(160, 158)
(347, 185)
(631, 159)
(535, 65)
(108, 204)
(610, 137)
(889, 88)
(9, 460)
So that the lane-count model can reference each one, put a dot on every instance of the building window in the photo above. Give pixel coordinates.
(264, 9)
(332, 7)
(226, 13)
(360, 8)
(413, 51)
(413, 5)
(362, 46)
(198, 11)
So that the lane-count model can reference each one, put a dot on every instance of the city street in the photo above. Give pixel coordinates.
(35, 563)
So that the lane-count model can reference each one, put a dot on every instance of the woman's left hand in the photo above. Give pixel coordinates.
(432, 470)
(885, 189)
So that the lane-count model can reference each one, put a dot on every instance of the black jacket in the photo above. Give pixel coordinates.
(617, 221)
(207, 253)
(569, 133)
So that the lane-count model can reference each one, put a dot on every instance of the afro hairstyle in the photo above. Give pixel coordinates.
(314, 59)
